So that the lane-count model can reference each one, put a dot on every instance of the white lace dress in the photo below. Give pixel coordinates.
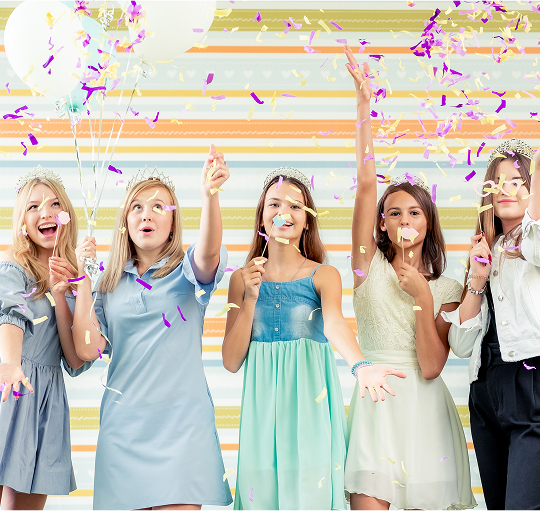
(409, 450)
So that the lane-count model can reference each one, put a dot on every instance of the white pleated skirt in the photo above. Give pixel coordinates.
(408, 450)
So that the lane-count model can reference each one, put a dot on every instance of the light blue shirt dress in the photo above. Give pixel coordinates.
(35, 445)
(158, 444)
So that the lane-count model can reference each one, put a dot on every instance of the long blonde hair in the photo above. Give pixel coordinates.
(122, 247)
(25, 250)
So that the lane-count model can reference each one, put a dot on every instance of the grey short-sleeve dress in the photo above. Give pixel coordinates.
(35, 445)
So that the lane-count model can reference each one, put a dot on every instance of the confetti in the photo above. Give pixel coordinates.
(312, 185)
(167, 324)
(265, 236)
(22, 307)
(360, 273)
(403, 467)
(169, 208)
(457, 197)
(338, 466)
(158, 210)
(181, 315)
(320, 482)
(470, 176)
(309, 210)
(30, 293)
(252, 110)
(311, 313)
(114, 169)
(25, 381)
(282, 240)
(226, 309)
(42, 203)
(416, 308)
(76, 280)
(33, 139)
(434, 193)
(321, 396)
(397, 482)
(482, 260)
(87, 337)
(198, 294)
(295, 188)
(40, 320)
(143, 283)
(411, 253)
(228, 473)
(444, 458)
(234, 268)
(528, 367)
(99, 353)
(149, 122)
(314, 138)
(19, 394)
(258, 19)
(51, 299)
(254, 96)
(64, 218)
(390, 460)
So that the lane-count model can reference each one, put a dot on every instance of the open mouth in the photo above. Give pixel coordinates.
(48, 229)
(147, 230)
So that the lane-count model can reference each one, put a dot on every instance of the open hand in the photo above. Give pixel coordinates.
(373, 379)
(11, 375)
(360, 75)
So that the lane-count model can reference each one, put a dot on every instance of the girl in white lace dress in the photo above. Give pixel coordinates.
(409, 450)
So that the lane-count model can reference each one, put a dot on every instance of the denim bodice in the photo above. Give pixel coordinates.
(283, 309)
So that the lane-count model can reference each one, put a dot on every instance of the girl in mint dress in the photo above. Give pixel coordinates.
(293, 430)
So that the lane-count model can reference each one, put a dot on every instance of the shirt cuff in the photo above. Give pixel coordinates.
(471, 324)
(8, 319)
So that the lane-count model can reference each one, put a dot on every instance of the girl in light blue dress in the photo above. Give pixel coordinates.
(157, 445)
(35, 338)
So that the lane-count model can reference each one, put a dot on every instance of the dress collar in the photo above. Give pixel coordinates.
(131, 268)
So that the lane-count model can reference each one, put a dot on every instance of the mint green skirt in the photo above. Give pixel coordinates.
(293, 433)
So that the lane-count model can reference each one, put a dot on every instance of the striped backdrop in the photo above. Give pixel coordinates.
(278, 133)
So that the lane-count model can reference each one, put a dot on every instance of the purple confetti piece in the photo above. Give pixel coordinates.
(197, 30)
(7, 87)
(251, 494)
(481, 260)
(167, 324)
(76, 280)
(443, 100)
(22, 307)
(209, 78)
(156, 118)
(341, 41)
(254, 96)
(25, 149)
(368, 157)
(51, 58)
(360, 273)
(358, 124)
(410, 178)
(221, 96)
(57, 220)
(324, 62)
(325, 132)
(513, 248)
(99, 353)
(468, 177)
(149, 122)
(11, 116)
(265, 236)
(181, 315)
(374, 114)
(279, 183)
(469, 157)
(288, 95)
(75, 293)
(32, 139)
(312, 184)
(258, 17)
(311, 50)
(19, 394)
(513, 124)
(482, 145)
(101, 267)
(501, 106)
(234, 268)
(445, 457)
(434, 193)
(133, 112)
(336, 25)
(143, 283)
(528, 367)
(114, 169)
(169, 208)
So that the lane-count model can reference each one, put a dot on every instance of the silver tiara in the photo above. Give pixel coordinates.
(513, 146)
(405, 178)
(146, 174)
(38, 172)
(288, 172)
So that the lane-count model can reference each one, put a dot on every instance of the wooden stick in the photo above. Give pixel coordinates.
(264, 249)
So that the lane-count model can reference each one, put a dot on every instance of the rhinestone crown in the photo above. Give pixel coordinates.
(513, 146)
(288, 172)
(36, 172)
(147, 174)
(405, 179)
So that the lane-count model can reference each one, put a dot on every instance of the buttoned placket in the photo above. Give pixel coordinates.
(498, 294)
(277, 312)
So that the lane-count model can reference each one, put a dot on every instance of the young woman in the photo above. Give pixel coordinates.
(157, 447)
(293, 432)
(498, 326)
(36, 307)
(411, 451)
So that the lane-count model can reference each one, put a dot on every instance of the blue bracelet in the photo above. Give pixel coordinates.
(360, 364)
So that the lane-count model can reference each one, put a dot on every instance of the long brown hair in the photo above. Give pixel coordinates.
(491, 224)
(311, 245)
(122, 247)
(433, 248)
(25, 250)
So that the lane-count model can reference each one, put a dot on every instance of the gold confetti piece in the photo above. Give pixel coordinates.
(51, 299)
(367, 149)
(123, 230)
(227, 308)
(222, 13)
(297, 249)
(271, 144)
(422, 175)
(416, 308)
(338, 466)
(160, 211)
(309, 210)
(92, 222)
(398, 234)
(153, 196)
(463, 262)
(215, 190)
(296, 74)
(485, 208)
(501, 181)
(502, 127)
(107, 241)
(282, 240)
(325, 26)
(235, 29)
(526, 196)
(198, 294)
(330, 79)
(24, 229)
(252, 110)
(228, 473)
(391, 461)
(325, 213)
(87, 337)
(309, 23)
(397, 482)
(158, 61)
(311, 313)
(403, 467)
(304, 81)
(411, 253)
(286, 216)
(30, 71)
(348, 143)
(412, 238)
(501, 249)
(320, 482)
(6, 154)
(25, 381)
(362, 249)
(42, 203)
(457, 197)
(295, 188)
(264, 28)
(258, 38)
(321, 396)
(491, 190)
(444, 173)
(181, 77)
(291, 200)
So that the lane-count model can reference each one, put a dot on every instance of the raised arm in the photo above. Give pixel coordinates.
(206, 256)
(243, 291)
(534, 198)
(365, 204)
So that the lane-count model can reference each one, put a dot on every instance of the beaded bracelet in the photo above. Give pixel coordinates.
(361, 363)
(478, 277)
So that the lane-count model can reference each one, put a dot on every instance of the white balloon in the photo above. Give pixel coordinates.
(172, 24)
(26, 40)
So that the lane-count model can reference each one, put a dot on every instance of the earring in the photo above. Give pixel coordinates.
(170, 236)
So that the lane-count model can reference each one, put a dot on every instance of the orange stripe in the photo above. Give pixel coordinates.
(235, 128)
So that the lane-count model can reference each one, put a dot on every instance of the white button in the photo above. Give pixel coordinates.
(504, 323)
(276, 329)
(277, 287)
(511, 353)
(139, 302)
(495, 273)
(277, 305)
(501, 298)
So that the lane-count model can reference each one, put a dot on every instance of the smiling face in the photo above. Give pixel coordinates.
(275, 203)
(149, 225)
(402, 210)
(510, 208)
(41, 225)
